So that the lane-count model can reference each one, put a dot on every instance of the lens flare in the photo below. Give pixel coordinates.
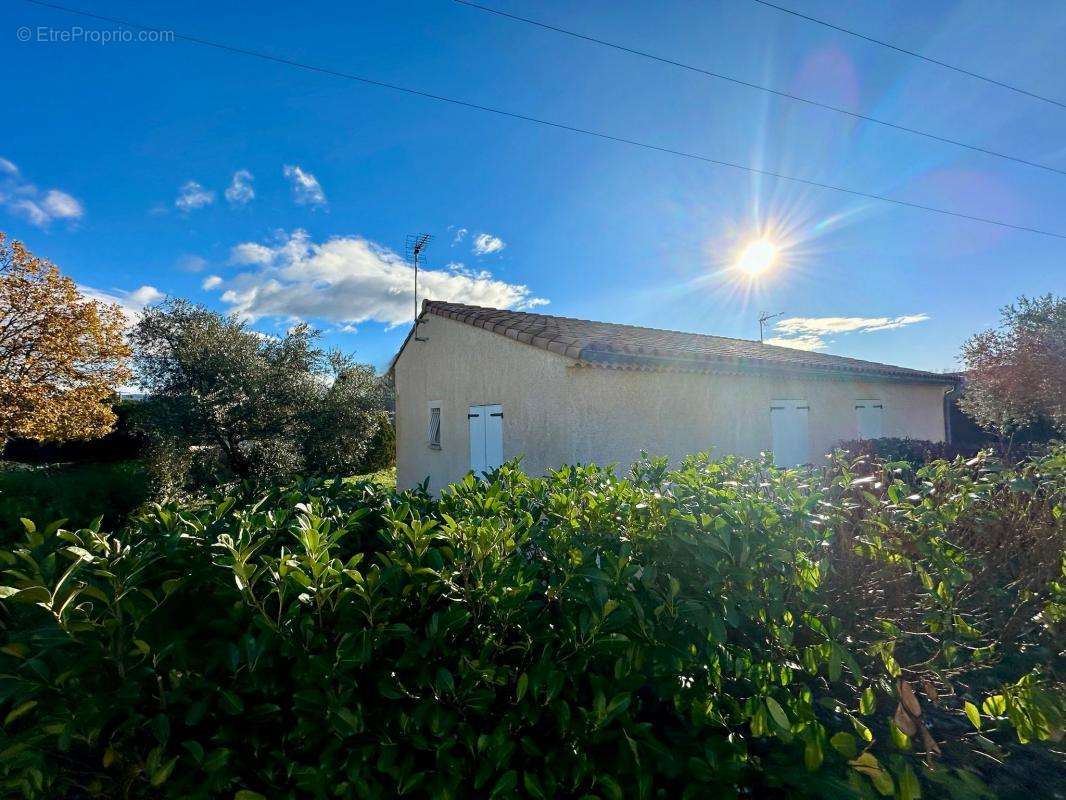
(757, 257)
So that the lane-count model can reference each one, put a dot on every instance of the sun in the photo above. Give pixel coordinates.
(757, 257)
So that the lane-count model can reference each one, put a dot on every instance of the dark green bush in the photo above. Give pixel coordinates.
(76, 492)
(381, 452)
(913, 451)
(724, 629)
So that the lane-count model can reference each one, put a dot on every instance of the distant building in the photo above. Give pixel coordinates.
(478, 386)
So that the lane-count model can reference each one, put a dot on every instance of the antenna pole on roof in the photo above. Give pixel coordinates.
(764, 319)
(416, 245)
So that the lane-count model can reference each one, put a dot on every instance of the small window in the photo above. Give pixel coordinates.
(868, 415)
(434, 425)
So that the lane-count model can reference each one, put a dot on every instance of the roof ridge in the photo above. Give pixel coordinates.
(657, 347)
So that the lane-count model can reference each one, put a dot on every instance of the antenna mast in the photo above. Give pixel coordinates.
(764, 319)
(416, 245)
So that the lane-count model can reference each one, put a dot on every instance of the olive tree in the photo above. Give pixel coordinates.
(227, 402)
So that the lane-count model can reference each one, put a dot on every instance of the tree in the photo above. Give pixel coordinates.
(225, 401)
(1016, 373)
(62, 356)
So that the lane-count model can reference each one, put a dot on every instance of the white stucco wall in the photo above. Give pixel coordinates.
(557, 413)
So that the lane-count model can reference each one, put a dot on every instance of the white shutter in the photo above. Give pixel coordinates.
(802, 430)
(869, 418)
(477, 439)
(789, 432)
(486, 438)
(493, 437)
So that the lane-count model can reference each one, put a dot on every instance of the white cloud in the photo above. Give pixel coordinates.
(144, 296)
(131, 302)
(61, 205)
(532, 302)
(191, 263)
(349, 280)
(808, 341)
(211, 282)
(306, 190)
(808, 333)
(795, 325)
(22, 198)
(240, 190)
(460, 234)
(898, 322)
(193, 195)
(31, 211)
(486, 243)
(251, 253)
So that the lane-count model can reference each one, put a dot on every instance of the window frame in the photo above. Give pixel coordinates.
(435, 438)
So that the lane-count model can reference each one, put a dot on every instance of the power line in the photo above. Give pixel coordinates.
(546, 123)
(759, 87)
(912, 53)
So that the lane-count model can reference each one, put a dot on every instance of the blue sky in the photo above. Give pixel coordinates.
(118, 158)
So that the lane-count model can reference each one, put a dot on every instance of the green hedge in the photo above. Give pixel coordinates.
(724, 629)
(76, 492)
(913, 451)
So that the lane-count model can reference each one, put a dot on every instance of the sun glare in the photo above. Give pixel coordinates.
(757, 257)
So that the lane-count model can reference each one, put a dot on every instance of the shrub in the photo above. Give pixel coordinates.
(721, 629)
(122, 443)
(381, 452)
(913, 451)
(77, 493)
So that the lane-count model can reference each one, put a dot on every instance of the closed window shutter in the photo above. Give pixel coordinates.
(486, 438)
(869, 418)
(789, 432)
(493, 437)
(476, 419)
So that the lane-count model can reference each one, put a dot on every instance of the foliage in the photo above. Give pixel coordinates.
(77, 493)
(1016, 374)
(381, 452)
(62, 356)
(122, 443)
(913, 451)
(718, 630)
(226, 402)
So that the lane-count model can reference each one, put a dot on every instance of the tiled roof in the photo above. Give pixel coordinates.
(605, 344)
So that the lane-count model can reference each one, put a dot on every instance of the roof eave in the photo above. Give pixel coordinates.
(410, 334)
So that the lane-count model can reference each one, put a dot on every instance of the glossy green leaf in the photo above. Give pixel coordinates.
(972, 714)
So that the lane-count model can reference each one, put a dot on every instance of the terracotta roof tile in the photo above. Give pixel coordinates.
(605, 344)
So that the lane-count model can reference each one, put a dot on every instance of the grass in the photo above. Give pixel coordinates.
(385, 478)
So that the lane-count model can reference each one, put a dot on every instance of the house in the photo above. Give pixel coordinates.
(478, 386)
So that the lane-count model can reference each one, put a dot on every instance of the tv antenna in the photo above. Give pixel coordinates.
(764, 319)
(416, 245)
